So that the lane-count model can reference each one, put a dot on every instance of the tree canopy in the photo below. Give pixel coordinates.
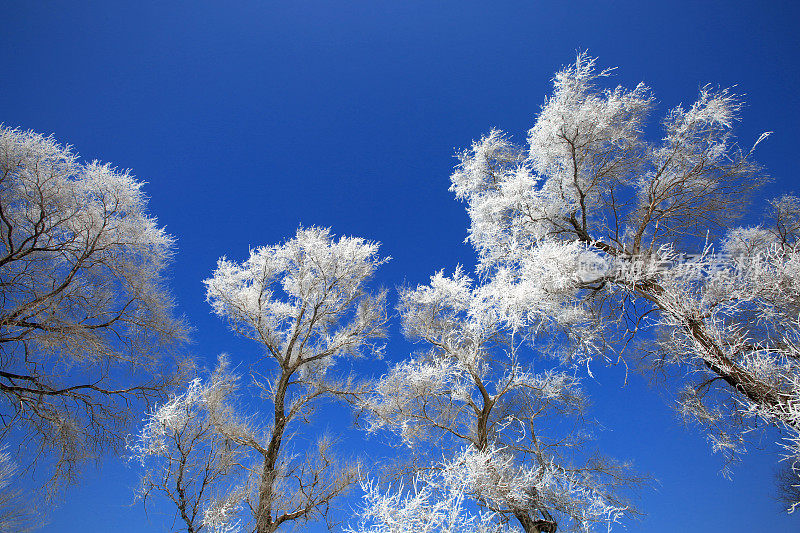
(87, 321)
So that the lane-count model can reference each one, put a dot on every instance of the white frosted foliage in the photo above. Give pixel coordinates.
(608, 240)
(474, 396)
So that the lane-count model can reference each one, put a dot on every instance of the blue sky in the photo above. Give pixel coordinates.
(249, 118)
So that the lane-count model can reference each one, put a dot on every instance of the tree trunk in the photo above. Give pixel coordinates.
(264, 521)
(529, 525)
(717, 361)
(737, 377)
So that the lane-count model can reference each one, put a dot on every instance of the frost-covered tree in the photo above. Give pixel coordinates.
(514, 439)
(188, 460)
(86, 318)
(18, 514)
(305, 302)
(610, 241)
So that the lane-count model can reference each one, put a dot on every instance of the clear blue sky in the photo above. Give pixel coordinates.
(248, 118)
